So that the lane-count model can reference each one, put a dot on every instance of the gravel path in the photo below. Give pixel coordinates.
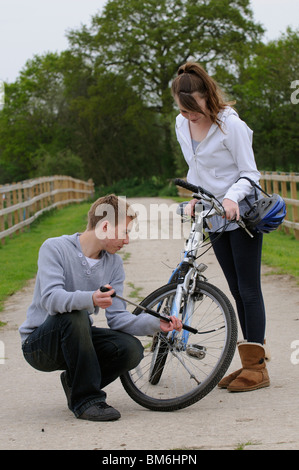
(34, 414)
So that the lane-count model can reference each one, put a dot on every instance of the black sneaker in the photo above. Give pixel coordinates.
(100, 412)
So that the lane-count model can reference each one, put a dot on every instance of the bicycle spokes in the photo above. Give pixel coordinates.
(179, 368)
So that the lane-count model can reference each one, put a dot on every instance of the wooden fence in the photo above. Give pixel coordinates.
(21, 203)
(284, 184)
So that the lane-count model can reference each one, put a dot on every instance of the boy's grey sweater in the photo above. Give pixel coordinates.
(65, 282)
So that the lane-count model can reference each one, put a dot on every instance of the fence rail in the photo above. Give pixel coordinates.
(284, 184)
(22, 203)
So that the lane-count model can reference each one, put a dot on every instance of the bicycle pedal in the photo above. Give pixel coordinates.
(197, 351)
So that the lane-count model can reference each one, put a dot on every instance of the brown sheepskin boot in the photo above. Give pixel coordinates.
(224, 383)
(254, 373)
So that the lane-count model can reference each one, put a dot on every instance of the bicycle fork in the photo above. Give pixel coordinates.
(181, 344)
(186, 309)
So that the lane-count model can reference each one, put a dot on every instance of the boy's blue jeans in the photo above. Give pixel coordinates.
(93, 357)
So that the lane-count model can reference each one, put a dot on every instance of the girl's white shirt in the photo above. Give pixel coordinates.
(222, 157)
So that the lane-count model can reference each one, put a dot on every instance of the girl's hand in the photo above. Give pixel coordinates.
(189, 208)
(231, 209)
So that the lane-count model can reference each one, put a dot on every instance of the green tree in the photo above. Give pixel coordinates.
(116, 135)
(147, 41)
(263, 93)
(104, 105)
(35, 116)
(65, 116)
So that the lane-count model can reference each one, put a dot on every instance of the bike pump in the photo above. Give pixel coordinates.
(148, 310)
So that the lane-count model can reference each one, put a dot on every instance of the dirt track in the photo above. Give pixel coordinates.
(34, 414)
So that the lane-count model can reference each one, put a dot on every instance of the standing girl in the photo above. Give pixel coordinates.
(217, 146)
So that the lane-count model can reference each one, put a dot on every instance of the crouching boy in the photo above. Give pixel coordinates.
(58, 333)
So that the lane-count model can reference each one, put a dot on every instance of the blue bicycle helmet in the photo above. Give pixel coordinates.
(266, 214)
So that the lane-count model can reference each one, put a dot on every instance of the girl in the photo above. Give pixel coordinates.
(217, 146)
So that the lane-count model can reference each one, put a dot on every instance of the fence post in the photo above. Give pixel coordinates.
(2, 224)
(15, 202)
(284, 193)
(294, 207)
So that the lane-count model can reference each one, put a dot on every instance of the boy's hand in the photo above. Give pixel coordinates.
(174, 324)
(103, 299)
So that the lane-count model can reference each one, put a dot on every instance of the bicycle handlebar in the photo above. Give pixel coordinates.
(212, 198)
(192, 187)
(203, 194)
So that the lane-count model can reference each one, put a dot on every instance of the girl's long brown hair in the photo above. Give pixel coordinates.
(192, 78)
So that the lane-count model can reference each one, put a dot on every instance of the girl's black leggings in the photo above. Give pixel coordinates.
(240, 259)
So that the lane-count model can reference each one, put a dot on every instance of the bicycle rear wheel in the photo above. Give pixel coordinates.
(179, 370)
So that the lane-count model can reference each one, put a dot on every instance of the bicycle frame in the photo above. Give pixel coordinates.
(188, 271)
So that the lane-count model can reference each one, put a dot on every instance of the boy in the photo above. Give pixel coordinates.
(58, 332)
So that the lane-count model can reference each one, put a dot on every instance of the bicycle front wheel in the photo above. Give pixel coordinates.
(180, 369)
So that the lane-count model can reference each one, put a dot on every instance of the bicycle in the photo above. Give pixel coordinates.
(179, 368)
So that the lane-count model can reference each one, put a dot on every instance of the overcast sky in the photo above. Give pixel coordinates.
(29, 27)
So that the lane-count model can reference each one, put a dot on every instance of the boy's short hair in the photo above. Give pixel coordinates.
(112, 208)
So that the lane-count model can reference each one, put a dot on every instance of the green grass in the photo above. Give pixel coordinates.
(18, 256)
(281, 252)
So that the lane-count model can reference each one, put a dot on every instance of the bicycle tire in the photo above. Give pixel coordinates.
(220, 347)
(159, 360)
